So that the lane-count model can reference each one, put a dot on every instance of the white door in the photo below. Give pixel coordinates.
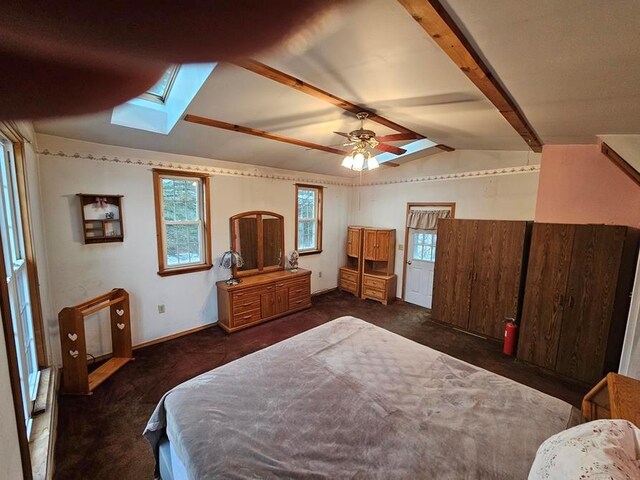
(421, 257)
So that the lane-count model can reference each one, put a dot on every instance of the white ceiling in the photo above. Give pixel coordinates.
(572, 66)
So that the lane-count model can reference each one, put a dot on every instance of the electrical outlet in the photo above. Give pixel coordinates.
(161, 308)
(319, 274)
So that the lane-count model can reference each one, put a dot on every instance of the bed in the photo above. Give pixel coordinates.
(351, 400)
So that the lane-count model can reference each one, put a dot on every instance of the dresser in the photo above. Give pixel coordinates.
(263, 297)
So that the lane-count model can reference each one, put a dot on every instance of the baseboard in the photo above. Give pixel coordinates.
(322, 292)
(173, 336)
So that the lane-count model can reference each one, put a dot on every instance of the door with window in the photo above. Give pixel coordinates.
(421, 258)
(17, 281)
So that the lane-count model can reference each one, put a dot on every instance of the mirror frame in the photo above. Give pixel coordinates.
(234, 239)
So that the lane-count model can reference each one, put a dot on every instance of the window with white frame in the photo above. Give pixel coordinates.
(424, 246)
(18, 282)
(182, 221)
(309, 219)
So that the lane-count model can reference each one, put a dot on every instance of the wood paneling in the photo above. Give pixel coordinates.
(591, 289)
(547, 274)
(496, 277)
(453, 271)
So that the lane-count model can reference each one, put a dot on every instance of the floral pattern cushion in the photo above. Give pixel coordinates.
(603, 449)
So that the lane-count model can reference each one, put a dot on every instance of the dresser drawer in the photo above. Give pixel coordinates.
(298, 290)
(348, 275)
(244, 318)
(378, 283)
(245, 293)
(244, 304)
(348, 286)
(373, 293)
(295, 282)
(300, 302)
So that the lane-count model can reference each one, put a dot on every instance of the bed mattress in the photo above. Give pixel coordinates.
(351, 400)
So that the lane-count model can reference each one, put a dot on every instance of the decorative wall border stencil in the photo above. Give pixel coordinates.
(494, 172)
(257, 173)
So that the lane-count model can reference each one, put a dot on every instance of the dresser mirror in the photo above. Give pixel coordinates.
(259, 239)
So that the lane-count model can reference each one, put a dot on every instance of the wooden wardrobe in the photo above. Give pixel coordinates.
(368, 272)
(379, 253)
(478, 273)
(351, 274)
(577, 297)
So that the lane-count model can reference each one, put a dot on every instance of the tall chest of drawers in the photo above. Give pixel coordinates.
(261, 298)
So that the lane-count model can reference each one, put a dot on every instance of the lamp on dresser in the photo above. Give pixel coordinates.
(229, 260)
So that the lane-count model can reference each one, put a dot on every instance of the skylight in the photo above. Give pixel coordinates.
(159, 109)
(160, 91)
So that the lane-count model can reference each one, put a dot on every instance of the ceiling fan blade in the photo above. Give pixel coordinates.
(396, 137)
(390, 148)
(342, 133)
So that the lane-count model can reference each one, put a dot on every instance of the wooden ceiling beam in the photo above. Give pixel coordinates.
(297, 84)
(621, 163)
(438, 24)
(210, 122)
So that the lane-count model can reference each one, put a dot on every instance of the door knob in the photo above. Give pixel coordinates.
(408, 262)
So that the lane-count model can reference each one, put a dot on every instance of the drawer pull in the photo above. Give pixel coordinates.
(247, 317)
(247, 304)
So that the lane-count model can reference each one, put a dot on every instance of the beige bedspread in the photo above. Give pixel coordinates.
(351, 400)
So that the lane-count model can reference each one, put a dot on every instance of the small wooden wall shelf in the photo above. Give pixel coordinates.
(101, 218)
(76, 378)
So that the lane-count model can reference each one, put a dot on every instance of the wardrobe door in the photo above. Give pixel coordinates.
(383, 238)
(453, 270)
(353, 242)
(544, 299)
(497, 267)
(591, 290)
(370, 244)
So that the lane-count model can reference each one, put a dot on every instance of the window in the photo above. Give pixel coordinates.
(18, 282)
(182, 221)
(424, 246)
(309, 219)
(160, 91)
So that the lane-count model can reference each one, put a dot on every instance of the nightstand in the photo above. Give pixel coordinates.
(615, 396)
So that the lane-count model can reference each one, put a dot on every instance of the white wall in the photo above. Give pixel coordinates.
(78, 272)
(382, 199)
(10, 462)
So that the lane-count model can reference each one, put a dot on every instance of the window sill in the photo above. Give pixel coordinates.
(178, 271)
(309, 252)
(44, 427)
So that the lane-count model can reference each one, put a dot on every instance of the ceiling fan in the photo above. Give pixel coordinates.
(363, 141)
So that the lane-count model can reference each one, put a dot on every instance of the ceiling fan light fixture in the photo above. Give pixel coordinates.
(372, 163)
(348, 161)
(358, 162)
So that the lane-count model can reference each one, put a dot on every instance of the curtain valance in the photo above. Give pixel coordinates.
(426, 219)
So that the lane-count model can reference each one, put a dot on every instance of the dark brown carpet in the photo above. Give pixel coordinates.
(100, 436)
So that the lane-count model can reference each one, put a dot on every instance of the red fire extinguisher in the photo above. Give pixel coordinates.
(510, 337)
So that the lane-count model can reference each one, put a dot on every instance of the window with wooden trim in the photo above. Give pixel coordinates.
(308, 219)
(183, 221)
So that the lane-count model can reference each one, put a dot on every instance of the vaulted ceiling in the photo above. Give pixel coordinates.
(572, 67)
